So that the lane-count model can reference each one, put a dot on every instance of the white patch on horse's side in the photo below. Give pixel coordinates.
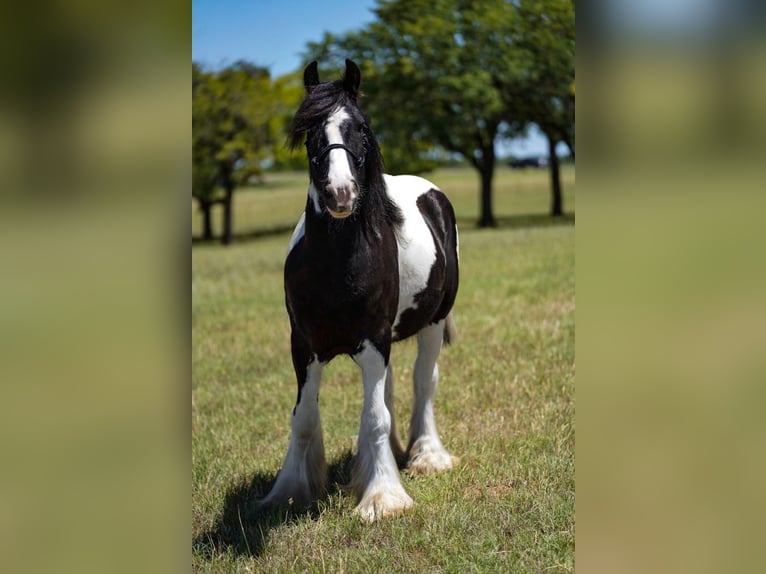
(339, 173)
(417, 252)
(376, 476)
(304, 472)
(298, 232)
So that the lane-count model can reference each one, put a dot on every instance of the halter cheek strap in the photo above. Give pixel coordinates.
(358, 160)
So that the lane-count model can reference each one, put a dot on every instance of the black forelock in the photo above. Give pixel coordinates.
(323, 99)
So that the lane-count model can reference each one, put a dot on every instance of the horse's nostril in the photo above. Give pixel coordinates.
(342, 195)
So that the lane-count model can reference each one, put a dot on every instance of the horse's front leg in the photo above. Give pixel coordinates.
(303, 477)
(376, 476)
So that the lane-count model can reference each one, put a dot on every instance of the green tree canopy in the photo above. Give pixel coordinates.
(542, 34)
(239, 119)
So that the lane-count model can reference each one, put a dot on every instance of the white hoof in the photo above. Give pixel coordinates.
(382, 503)
(429, 457)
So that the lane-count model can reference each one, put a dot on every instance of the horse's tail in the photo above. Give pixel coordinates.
(450, 329)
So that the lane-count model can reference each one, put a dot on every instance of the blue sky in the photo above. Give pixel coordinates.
(273, 33)
(270, 33)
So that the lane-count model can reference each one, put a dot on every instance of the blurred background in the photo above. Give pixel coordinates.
(94, 166)
(670, 284)
(94, 253)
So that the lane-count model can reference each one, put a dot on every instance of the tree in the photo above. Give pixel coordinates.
(233, 131)
(542, 33)
(287, 93)
(204, 166)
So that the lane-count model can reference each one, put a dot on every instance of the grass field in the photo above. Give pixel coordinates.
(505, 403)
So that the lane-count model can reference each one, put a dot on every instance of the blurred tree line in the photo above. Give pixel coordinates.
(239, 117)
(440, 77)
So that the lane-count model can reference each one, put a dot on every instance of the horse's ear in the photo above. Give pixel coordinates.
(311, 77)
(352, 78)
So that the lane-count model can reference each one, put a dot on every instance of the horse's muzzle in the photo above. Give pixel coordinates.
(341, 200)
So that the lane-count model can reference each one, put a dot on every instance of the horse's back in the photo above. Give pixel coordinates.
(428, 253)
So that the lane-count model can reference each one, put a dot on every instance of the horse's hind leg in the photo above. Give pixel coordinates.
(426, 453)
(303, 477)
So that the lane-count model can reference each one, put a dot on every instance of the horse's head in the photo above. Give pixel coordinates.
(337, 139)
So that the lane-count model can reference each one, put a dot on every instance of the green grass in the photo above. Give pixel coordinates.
(505, 403)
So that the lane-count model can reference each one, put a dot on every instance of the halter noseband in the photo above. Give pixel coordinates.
(358, 160)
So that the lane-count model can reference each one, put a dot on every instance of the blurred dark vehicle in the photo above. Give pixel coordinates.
(535, 161)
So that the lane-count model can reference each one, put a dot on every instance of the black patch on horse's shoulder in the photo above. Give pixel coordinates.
(431, 205)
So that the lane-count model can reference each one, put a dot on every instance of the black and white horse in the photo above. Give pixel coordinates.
(373, 259)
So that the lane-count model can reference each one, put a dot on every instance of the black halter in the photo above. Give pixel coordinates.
(358, 159)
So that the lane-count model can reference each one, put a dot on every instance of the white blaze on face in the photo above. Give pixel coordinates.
(339, 174)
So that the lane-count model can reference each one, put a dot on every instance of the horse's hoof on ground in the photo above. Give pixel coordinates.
(382, 504)
(268, 505)
(425, 461)
(282, 499)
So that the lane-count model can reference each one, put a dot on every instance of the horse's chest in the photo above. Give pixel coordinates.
(337, 299)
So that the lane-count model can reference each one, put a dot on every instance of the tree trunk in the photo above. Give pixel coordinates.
(228, 234)
(557, 205)
(486, 170)
(207, 221)
(567, 140)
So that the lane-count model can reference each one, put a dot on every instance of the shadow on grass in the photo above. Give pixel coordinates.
(245, 236)
(243, 527)
(519, 221)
